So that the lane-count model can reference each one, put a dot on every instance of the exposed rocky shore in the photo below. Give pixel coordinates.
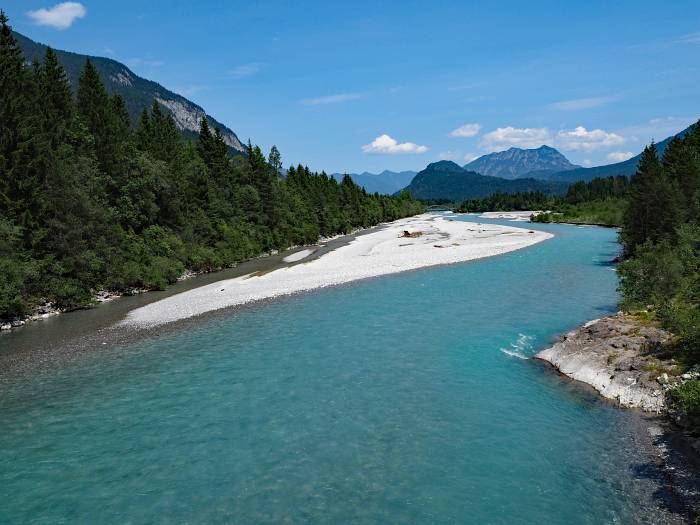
(619, 356)
(622, 357)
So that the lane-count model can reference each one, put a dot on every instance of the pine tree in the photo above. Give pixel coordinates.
(275, 159)
(143, 131)
(57, 100)
(96, 108)
(14, 105)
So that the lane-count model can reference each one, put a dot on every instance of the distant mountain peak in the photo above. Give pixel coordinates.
(445, 165)
(515, 163)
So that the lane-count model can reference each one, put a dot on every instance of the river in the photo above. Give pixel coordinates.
(408, 398)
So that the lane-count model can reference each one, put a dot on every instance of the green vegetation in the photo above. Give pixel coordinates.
(89, 202)
(600, 201)
(661, 238)
(686, 398)
(606, 212)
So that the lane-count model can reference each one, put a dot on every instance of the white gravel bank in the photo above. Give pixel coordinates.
(443, 241)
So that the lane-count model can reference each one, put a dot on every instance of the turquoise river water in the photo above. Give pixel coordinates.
(402, 399)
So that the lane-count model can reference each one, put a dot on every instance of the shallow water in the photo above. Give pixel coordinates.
(404, 399)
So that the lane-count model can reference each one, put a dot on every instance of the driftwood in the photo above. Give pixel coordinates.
(412, 235)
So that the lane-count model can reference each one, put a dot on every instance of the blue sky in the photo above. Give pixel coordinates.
(357, 86)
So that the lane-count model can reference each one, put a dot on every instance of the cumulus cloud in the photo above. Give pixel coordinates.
(577, 139)
(504, 138)
(60, 16)
(386, 145)
(619, 156)
(247, 70)
(581, 103)
(330, 99)
(468, 130)
(584, 140)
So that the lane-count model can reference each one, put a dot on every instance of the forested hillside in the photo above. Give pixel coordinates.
(447, 180)
(89, 201)
(136, 92)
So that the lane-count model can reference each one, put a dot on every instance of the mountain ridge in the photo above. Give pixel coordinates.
(448, 180)
(387, 182)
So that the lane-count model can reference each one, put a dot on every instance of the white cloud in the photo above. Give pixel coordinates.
(504, 138)
(581, 103)
(386, 145)
(582, 139)
(692, 38)
(468, 130)
(587, 162)
(619, 156)
(60, 16)
(656, 128)
(247, 70)
(144, 62)
(470, 157)
(330, 99)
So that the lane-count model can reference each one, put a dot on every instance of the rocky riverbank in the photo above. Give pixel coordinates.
(622, 357)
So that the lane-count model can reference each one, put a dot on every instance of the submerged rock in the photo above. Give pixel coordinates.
(618, 356)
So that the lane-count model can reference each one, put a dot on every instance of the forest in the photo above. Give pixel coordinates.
(90, 201)
(660, 271)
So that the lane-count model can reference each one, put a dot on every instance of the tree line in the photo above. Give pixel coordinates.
(600, 201)
(90, 201)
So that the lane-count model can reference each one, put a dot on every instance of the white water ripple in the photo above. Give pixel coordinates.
(520, 347)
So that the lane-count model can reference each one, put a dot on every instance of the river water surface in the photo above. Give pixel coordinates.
(404, 399)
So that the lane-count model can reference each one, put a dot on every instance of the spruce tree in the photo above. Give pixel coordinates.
(14, 107)
(275, 159)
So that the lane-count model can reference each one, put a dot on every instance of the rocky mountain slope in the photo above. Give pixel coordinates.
(516, 163)
(136, 91)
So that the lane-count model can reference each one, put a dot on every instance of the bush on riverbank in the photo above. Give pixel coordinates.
(685, 399)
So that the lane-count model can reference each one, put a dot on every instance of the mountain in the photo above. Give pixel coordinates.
(448, 180)
(137, 92)
(385, 183)
(515, 163)
(626, 168)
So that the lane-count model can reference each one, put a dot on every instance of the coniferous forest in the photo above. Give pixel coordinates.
(90, 201)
